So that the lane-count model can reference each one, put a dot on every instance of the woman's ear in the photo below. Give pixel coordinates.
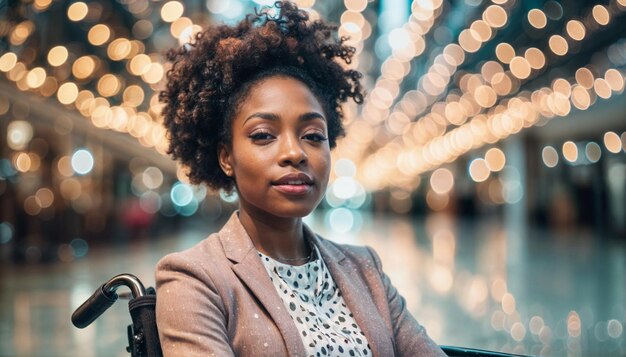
(224, 158)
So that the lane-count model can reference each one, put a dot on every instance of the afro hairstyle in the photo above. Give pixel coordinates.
(211, 76)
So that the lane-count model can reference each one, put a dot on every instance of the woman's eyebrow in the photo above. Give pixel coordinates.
(274, 117)
(266, 116)
(312, 115)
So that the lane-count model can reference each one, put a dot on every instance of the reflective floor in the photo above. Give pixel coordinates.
(471, 283)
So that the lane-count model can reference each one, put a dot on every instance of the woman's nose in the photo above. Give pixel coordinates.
(291, 151)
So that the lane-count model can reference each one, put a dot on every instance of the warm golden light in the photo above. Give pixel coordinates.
(133, 96)
(585, 78)
(99, 35)
(562, 86)
(570, 151)
(355, 18)
(57, 56)
(21, 32)
(576, 30)
(108, 85)
(305, 3)
(77, 11)
(35, 161)
(537, 18)
(49, 87)
(601, 15)
(478, 170)
(70, 188)
(489, 69)
(535, 58)
(508, 303)
(356, 5)
(67, 93)
(83, 67)
(18, 72)
(615, 80)
(495, 159)
(119, 49)
(171, 11)
(7, 61)
(520, 67)
(437, 202)
(518, 331)
(612, 142)
(454, 54)
(442, 181)
(505, 52)
(558, 45)
(574, 325)
(178, 26)
(64, 166)
(602, 88)
(36, 77)
(32, 206)
(22, 162)
(495, 16)
(83, 99)
(501, 84)
(485, 96)
(480, 30)
(468, 42)
(41, 5)
(154, 73)
(580, 97)
(45, 196)
(140, 64)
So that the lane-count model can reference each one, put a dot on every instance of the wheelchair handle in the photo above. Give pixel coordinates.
(104, 297)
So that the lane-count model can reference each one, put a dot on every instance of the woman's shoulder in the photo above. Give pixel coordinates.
(203, 252)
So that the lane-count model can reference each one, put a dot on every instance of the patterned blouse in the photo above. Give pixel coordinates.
(316, 306)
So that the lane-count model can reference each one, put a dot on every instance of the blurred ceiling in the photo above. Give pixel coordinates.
(444, 77)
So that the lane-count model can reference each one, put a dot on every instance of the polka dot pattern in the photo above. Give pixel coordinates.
(326, 325)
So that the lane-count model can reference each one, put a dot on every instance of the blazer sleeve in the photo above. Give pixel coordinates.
(190, 313)
(410, 337)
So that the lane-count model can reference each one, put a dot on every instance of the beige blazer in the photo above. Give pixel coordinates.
(216, 299)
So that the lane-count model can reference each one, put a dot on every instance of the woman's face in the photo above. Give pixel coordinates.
(279, 154)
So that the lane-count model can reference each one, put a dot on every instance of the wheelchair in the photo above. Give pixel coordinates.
(143, 336)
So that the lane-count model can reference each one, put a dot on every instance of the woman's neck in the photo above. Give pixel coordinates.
(276, 237)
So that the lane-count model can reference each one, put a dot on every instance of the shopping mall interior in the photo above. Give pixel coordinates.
(486, 166)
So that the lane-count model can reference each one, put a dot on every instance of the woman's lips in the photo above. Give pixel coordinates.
(294, 184)
(294, 189)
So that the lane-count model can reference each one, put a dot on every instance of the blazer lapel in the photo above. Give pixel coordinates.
(248, 267)
(357, 296)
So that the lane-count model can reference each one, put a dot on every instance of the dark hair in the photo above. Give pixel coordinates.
(211, 76)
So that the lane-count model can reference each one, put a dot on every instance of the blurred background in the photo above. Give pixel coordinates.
(487, 166)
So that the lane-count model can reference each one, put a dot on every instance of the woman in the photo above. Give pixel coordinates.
(256, 107)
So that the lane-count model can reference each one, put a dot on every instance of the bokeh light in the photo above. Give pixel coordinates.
(550, 156)
(77, 11)
(612, 142)
(570, 151)
(82, 161)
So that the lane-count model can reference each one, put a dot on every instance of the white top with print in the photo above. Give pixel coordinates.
(317, 308)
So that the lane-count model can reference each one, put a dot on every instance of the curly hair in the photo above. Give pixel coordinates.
(210, 78)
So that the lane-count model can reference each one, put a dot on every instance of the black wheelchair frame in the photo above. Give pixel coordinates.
(143, 336)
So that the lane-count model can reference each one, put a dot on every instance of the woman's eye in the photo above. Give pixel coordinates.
(261, 136)
(315, 137)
